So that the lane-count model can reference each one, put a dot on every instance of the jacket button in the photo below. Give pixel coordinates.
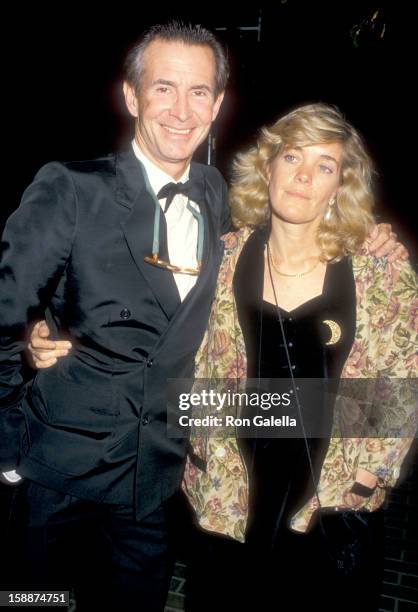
(145, 420)
(125, 313)
(149, 362)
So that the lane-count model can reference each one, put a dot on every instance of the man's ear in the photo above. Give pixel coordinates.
(131, 99)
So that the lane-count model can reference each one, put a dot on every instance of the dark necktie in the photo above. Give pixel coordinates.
(191, 189)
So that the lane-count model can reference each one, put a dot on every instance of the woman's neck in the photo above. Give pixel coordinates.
(293, 244)
(292, 265)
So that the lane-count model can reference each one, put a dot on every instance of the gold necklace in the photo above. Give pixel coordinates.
(292, 275)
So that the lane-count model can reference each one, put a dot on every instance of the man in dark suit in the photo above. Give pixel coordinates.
(89, 245)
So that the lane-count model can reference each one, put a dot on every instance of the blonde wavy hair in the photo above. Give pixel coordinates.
(350, 218)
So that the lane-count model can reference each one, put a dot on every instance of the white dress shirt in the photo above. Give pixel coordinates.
(182, 227)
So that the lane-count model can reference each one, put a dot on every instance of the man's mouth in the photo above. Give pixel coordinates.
(176, 131)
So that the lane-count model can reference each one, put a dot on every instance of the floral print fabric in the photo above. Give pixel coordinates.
(384, 350)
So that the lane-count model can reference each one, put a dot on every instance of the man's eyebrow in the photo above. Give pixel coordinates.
(164, 82)
(173, 84)
(202, 86)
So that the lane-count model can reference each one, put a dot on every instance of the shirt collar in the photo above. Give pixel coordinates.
(157, 177)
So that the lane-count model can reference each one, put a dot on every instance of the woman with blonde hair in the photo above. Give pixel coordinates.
(298, 299)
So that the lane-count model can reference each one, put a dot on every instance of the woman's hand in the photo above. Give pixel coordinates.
(365, 478)
(352, 501)
(46, 352)
(364, 485)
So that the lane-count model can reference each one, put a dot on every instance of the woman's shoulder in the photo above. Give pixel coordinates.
(234, 240)
(381, 265)
(377, 276)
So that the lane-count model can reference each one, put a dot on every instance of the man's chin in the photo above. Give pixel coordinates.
(177, 158)
(179, 153)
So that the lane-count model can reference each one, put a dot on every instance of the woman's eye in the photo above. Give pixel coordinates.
(326, 169)
(289, 157)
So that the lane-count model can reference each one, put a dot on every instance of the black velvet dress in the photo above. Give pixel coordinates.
(279, 471)
(278, 569)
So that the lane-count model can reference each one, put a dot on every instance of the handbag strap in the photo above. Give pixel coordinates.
(294, 386)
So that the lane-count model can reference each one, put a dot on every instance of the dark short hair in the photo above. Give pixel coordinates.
(189, 34)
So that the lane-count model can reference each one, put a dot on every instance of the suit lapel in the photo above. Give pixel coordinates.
(138, 228)
(212, 246)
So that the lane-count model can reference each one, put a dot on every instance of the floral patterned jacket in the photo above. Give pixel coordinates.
(385, 345)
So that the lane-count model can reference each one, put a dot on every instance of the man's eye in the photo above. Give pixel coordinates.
(162, 89)
(200, 93)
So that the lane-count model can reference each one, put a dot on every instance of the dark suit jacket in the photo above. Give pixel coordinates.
(94, 425)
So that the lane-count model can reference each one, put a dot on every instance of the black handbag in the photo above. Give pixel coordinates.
(347, 537)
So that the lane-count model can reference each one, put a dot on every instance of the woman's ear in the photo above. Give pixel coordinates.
(337, 193)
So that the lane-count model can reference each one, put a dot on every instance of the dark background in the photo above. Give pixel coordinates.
(61, 86)
(62, 83)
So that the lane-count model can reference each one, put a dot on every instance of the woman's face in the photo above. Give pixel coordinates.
(302, 180)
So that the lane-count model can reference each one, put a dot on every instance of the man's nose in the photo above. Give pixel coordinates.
(181, 107)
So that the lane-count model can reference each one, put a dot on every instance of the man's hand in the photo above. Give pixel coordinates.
(382, 242)
(46, 352)
(11, 478)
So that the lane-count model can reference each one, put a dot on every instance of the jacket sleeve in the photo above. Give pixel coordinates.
(35, 247)
(396, 392)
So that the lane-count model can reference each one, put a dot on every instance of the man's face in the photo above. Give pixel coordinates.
(176, 104)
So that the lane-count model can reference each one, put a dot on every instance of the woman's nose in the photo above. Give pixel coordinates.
(303, 175)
